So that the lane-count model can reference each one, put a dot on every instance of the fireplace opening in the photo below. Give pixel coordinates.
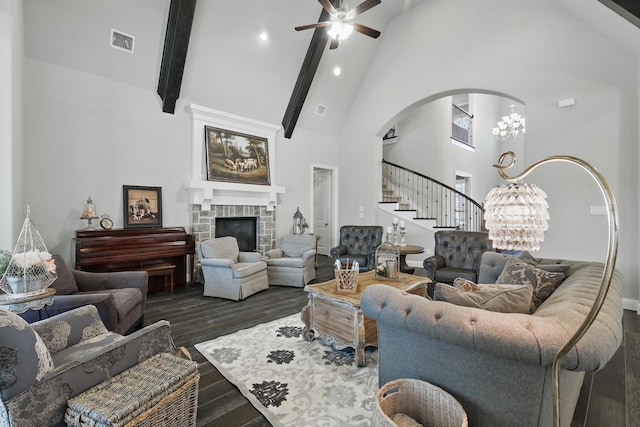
(244, 229)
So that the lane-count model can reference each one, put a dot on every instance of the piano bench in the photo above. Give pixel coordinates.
(156, 269)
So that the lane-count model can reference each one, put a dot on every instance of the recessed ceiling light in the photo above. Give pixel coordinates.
(264, 36)
(337, 71)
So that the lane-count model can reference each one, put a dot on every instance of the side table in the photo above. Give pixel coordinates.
(30, 302)
(408, 250)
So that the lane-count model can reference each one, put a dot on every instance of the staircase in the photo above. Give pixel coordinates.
(426, 201)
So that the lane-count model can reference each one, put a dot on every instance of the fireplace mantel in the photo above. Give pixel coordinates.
(206, 193)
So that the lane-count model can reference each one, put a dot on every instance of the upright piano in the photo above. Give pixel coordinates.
(133, 249)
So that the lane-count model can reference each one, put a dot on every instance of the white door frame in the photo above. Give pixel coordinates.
(334, 194)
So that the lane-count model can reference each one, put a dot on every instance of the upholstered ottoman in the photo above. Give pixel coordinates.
(161, 391)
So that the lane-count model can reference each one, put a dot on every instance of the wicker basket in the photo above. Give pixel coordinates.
(161, 391)
(346, 280)
(425, 403)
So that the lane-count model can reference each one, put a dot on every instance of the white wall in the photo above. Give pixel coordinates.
(88, 136)
(538, 64)
(12, 205)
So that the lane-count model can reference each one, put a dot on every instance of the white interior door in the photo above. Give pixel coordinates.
(322, 208)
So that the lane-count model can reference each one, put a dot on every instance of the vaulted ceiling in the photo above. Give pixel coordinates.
(227, 66)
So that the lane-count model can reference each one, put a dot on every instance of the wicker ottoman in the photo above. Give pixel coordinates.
(161, 391)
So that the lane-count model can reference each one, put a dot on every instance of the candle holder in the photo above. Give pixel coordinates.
(395, 234)
(402, 233)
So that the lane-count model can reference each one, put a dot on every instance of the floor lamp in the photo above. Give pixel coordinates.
(516, 216)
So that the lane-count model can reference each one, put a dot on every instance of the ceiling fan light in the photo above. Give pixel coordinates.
(340, 30)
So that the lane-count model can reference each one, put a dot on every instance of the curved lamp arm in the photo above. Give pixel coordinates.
(609, 264)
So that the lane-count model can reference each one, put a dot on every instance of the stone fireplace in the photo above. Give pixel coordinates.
(214, 199)
(204, 222)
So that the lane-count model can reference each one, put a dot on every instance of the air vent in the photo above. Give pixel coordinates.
(122, 41)
(321, 109)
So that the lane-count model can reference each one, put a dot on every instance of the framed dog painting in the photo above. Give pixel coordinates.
(142, 206)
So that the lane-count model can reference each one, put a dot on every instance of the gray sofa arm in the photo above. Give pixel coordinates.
(431, 264)
(217, 262)
(104, 302)
(91, 282)
(274, 253)
(338, 251)
(71, 379)
(249, 257)
(311, 253)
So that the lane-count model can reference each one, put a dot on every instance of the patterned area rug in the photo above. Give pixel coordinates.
(294, 382)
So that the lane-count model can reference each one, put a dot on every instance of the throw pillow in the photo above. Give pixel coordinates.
(553, 268)
(517, 272)
(499, 298)
(65, 284)
(465, 285)
(25, 358)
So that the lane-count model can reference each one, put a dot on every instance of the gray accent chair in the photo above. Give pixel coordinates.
(499, 365)
(293, 263)
(358, 243)
(120, 297)
(229, 273)
(457, 254)
(46, 363)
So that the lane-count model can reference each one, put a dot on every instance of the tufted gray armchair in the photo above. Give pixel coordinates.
(457, 254)
(358, 243)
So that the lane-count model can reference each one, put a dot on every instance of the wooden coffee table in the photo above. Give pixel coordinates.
(337, 319)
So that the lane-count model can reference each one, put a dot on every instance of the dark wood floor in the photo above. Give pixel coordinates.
(610, 397)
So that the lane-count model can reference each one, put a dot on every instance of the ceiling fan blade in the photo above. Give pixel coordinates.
(316, 25)
(366, 30)
(334, 44)
(328, 7)
(363, 7)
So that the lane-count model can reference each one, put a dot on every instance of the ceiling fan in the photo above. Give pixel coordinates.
(341, 21)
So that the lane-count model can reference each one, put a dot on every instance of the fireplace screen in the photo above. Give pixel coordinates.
(244, 229)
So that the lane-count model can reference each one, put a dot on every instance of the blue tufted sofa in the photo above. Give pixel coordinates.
(358, 243)
(498, 365)
(457, 254)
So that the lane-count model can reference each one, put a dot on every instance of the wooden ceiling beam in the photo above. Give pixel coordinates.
(306, 75)
(628, 9)
(174, 55)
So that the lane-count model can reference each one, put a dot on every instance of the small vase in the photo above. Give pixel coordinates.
(16, 284)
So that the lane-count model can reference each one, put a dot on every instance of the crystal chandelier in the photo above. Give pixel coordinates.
(511, 127)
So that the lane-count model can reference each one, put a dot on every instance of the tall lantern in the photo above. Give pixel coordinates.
(297, 222)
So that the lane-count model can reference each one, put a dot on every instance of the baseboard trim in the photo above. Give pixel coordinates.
(631, 304)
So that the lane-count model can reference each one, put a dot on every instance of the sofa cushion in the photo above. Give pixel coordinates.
(221, 247)
(518, 272)
(245, 269)
(65, 284)
(286, 262)
(24, 358)
(499, 298)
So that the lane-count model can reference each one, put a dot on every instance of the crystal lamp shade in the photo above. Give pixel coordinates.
(516, 216)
